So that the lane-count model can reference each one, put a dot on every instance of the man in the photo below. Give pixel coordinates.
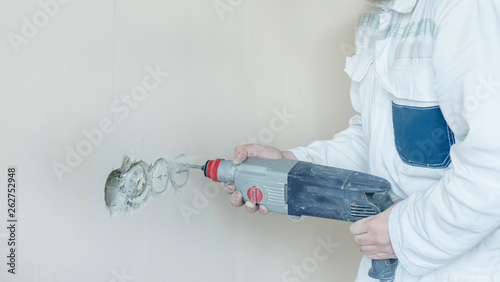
(426, 85)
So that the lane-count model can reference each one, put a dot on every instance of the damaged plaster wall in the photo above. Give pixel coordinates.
(86, 82)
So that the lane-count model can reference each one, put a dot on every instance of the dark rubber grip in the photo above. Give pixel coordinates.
(383, 270)
(334, 193)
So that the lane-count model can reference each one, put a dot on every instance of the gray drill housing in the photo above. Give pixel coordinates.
(302, 188)
(270, 176)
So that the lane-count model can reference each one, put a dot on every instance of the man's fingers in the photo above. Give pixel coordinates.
(359, 227)
(369, 250)
(376, 256)
(229, 188)
(375, 252)
(237, 199)
(263, 210)
(372, 236)
(243, 152)
(251, 207)
(364, 240)
(240, 154)
(382, 256)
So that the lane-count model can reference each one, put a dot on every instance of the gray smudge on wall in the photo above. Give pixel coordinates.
(129, 187)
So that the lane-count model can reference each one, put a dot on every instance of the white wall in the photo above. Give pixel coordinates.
(227, 78)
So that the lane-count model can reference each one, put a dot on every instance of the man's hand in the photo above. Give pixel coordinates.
(372, 236)
(241, 153)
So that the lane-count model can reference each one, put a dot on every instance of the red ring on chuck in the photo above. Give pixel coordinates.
(212, 168)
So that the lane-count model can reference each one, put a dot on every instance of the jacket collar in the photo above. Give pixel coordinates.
(404, 6)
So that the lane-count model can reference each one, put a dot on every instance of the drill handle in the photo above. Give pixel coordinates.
(335, 193)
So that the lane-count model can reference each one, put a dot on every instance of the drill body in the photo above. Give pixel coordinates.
(302, 188)
(305, 189)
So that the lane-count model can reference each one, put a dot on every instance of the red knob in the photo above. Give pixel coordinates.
(254, 195)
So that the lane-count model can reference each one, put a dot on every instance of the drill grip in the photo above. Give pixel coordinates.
(334, 193)
(302, 188)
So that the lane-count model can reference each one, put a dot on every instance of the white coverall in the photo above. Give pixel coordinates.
(426, 85)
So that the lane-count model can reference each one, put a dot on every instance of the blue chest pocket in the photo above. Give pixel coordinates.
(422, 136)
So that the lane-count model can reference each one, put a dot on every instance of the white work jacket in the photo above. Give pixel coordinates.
(426, 85)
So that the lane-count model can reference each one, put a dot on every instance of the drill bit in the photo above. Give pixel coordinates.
(202, 167)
